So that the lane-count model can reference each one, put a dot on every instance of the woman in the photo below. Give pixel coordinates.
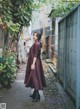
(34, 77)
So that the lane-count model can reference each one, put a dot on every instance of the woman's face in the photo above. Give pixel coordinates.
(35, 37)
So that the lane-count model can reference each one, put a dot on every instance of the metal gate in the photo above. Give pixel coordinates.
(69, 54)
(61, 52)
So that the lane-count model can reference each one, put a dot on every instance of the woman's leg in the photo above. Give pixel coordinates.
(37, 96)
(33, 95)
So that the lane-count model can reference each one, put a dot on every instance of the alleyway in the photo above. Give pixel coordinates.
(18, 96)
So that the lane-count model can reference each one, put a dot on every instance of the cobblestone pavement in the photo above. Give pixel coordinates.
(18, 96)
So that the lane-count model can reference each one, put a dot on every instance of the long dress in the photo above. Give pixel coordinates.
(35, 78)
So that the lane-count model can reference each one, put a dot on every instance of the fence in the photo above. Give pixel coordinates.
(69, 54)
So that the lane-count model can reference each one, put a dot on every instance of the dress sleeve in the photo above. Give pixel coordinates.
(37, 50)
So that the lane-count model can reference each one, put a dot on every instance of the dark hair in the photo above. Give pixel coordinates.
(38, 35)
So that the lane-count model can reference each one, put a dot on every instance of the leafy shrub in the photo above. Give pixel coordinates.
(8, 70)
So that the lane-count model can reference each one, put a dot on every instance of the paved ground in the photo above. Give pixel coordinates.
(18, 96)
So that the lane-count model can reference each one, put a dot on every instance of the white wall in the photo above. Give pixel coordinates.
(38, 18)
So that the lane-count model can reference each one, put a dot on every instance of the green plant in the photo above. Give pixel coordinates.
(8, 70)
(61, 7)
(7, 75)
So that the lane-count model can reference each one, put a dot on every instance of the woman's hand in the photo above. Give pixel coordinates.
(32, 66)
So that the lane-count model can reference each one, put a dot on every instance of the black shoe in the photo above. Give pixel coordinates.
(37, 97)
(33, 95)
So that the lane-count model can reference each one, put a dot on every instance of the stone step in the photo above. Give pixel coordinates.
(53, 69)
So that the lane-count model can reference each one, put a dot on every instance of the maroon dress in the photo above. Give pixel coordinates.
(35, 78)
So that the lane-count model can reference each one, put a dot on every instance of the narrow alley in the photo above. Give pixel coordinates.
(54, 96)
(33, 30)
